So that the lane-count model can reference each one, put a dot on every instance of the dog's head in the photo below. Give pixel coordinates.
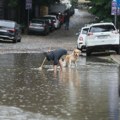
(76, 52)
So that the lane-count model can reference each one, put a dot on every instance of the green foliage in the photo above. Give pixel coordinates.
(74, 2)
(101, 8)
(13, 3)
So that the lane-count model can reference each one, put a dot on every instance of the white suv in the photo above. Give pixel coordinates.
(101, 37)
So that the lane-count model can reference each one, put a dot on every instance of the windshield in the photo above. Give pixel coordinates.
(102, 28)
(7, 24)
(37, 21)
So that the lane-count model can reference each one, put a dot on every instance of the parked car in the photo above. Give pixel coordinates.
(10, 30)
(60, 16)
(101, 37)
(81, 38)
(55, 20)
(38, 26)
(50, 23)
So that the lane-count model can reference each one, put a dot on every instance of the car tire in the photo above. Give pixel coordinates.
(14, 41)
(88, 52)
(19, 40)
(117, 50)
(46, 33)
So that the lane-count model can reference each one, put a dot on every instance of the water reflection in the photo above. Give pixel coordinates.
(86, 92)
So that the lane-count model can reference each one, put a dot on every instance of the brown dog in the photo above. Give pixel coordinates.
(72, 58)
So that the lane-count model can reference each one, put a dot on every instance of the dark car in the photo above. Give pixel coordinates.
(38, 26)
(10, 30)
(50, 23)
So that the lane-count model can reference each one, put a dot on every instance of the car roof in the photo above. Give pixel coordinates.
(101, 23)
(85, 27)
(38, 19)
(7, 23)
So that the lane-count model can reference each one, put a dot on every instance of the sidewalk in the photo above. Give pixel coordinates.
(116, 58)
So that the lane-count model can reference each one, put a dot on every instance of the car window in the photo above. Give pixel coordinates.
(37, 21)
(85, 30)
(7, 24)
(102, 28)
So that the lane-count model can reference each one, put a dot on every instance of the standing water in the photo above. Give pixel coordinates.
(88, 92)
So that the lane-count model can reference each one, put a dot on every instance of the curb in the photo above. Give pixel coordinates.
(116, 58)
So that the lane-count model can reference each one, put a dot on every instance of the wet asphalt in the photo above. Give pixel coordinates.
(87, 92)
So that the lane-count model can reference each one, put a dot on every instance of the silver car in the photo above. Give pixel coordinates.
(38, 26)
(10, 30)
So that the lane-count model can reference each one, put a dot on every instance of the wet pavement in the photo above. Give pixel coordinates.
(88, 92)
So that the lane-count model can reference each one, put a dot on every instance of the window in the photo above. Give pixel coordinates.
(102, 28)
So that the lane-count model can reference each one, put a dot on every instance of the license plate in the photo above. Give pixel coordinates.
(102, 37)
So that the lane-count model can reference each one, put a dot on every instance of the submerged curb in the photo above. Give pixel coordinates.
(116, 58)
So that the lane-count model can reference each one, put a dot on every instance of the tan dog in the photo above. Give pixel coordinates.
(72, 58)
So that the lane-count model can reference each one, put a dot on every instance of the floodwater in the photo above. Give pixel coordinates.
(88, 92)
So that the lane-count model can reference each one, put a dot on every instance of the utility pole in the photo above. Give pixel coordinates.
(28, 7)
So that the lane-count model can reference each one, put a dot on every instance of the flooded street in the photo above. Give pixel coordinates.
(88, 92)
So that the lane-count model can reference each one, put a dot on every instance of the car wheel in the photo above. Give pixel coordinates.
(88, 52)
(19, 40)
(15, 41)
(46, 32)
(117, 50)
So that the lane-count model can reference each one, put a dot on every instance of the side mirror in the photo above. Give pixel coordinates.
(77, 33)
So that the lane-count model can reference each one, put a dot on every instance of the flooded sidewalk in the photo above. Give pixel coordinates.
(88, 92)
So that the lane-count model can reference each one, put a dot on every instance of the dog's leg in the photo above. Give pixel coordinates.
(70, 63)
(75, 64)
(64, 64)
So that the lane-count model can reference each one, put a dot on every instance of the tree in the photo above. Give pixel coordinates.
(13, 3)
(74, 2)
(101, 8)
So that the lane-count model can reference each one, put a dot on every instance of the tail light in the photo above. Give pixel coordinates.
(12, 30)
(81, 39)
(90, 33)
